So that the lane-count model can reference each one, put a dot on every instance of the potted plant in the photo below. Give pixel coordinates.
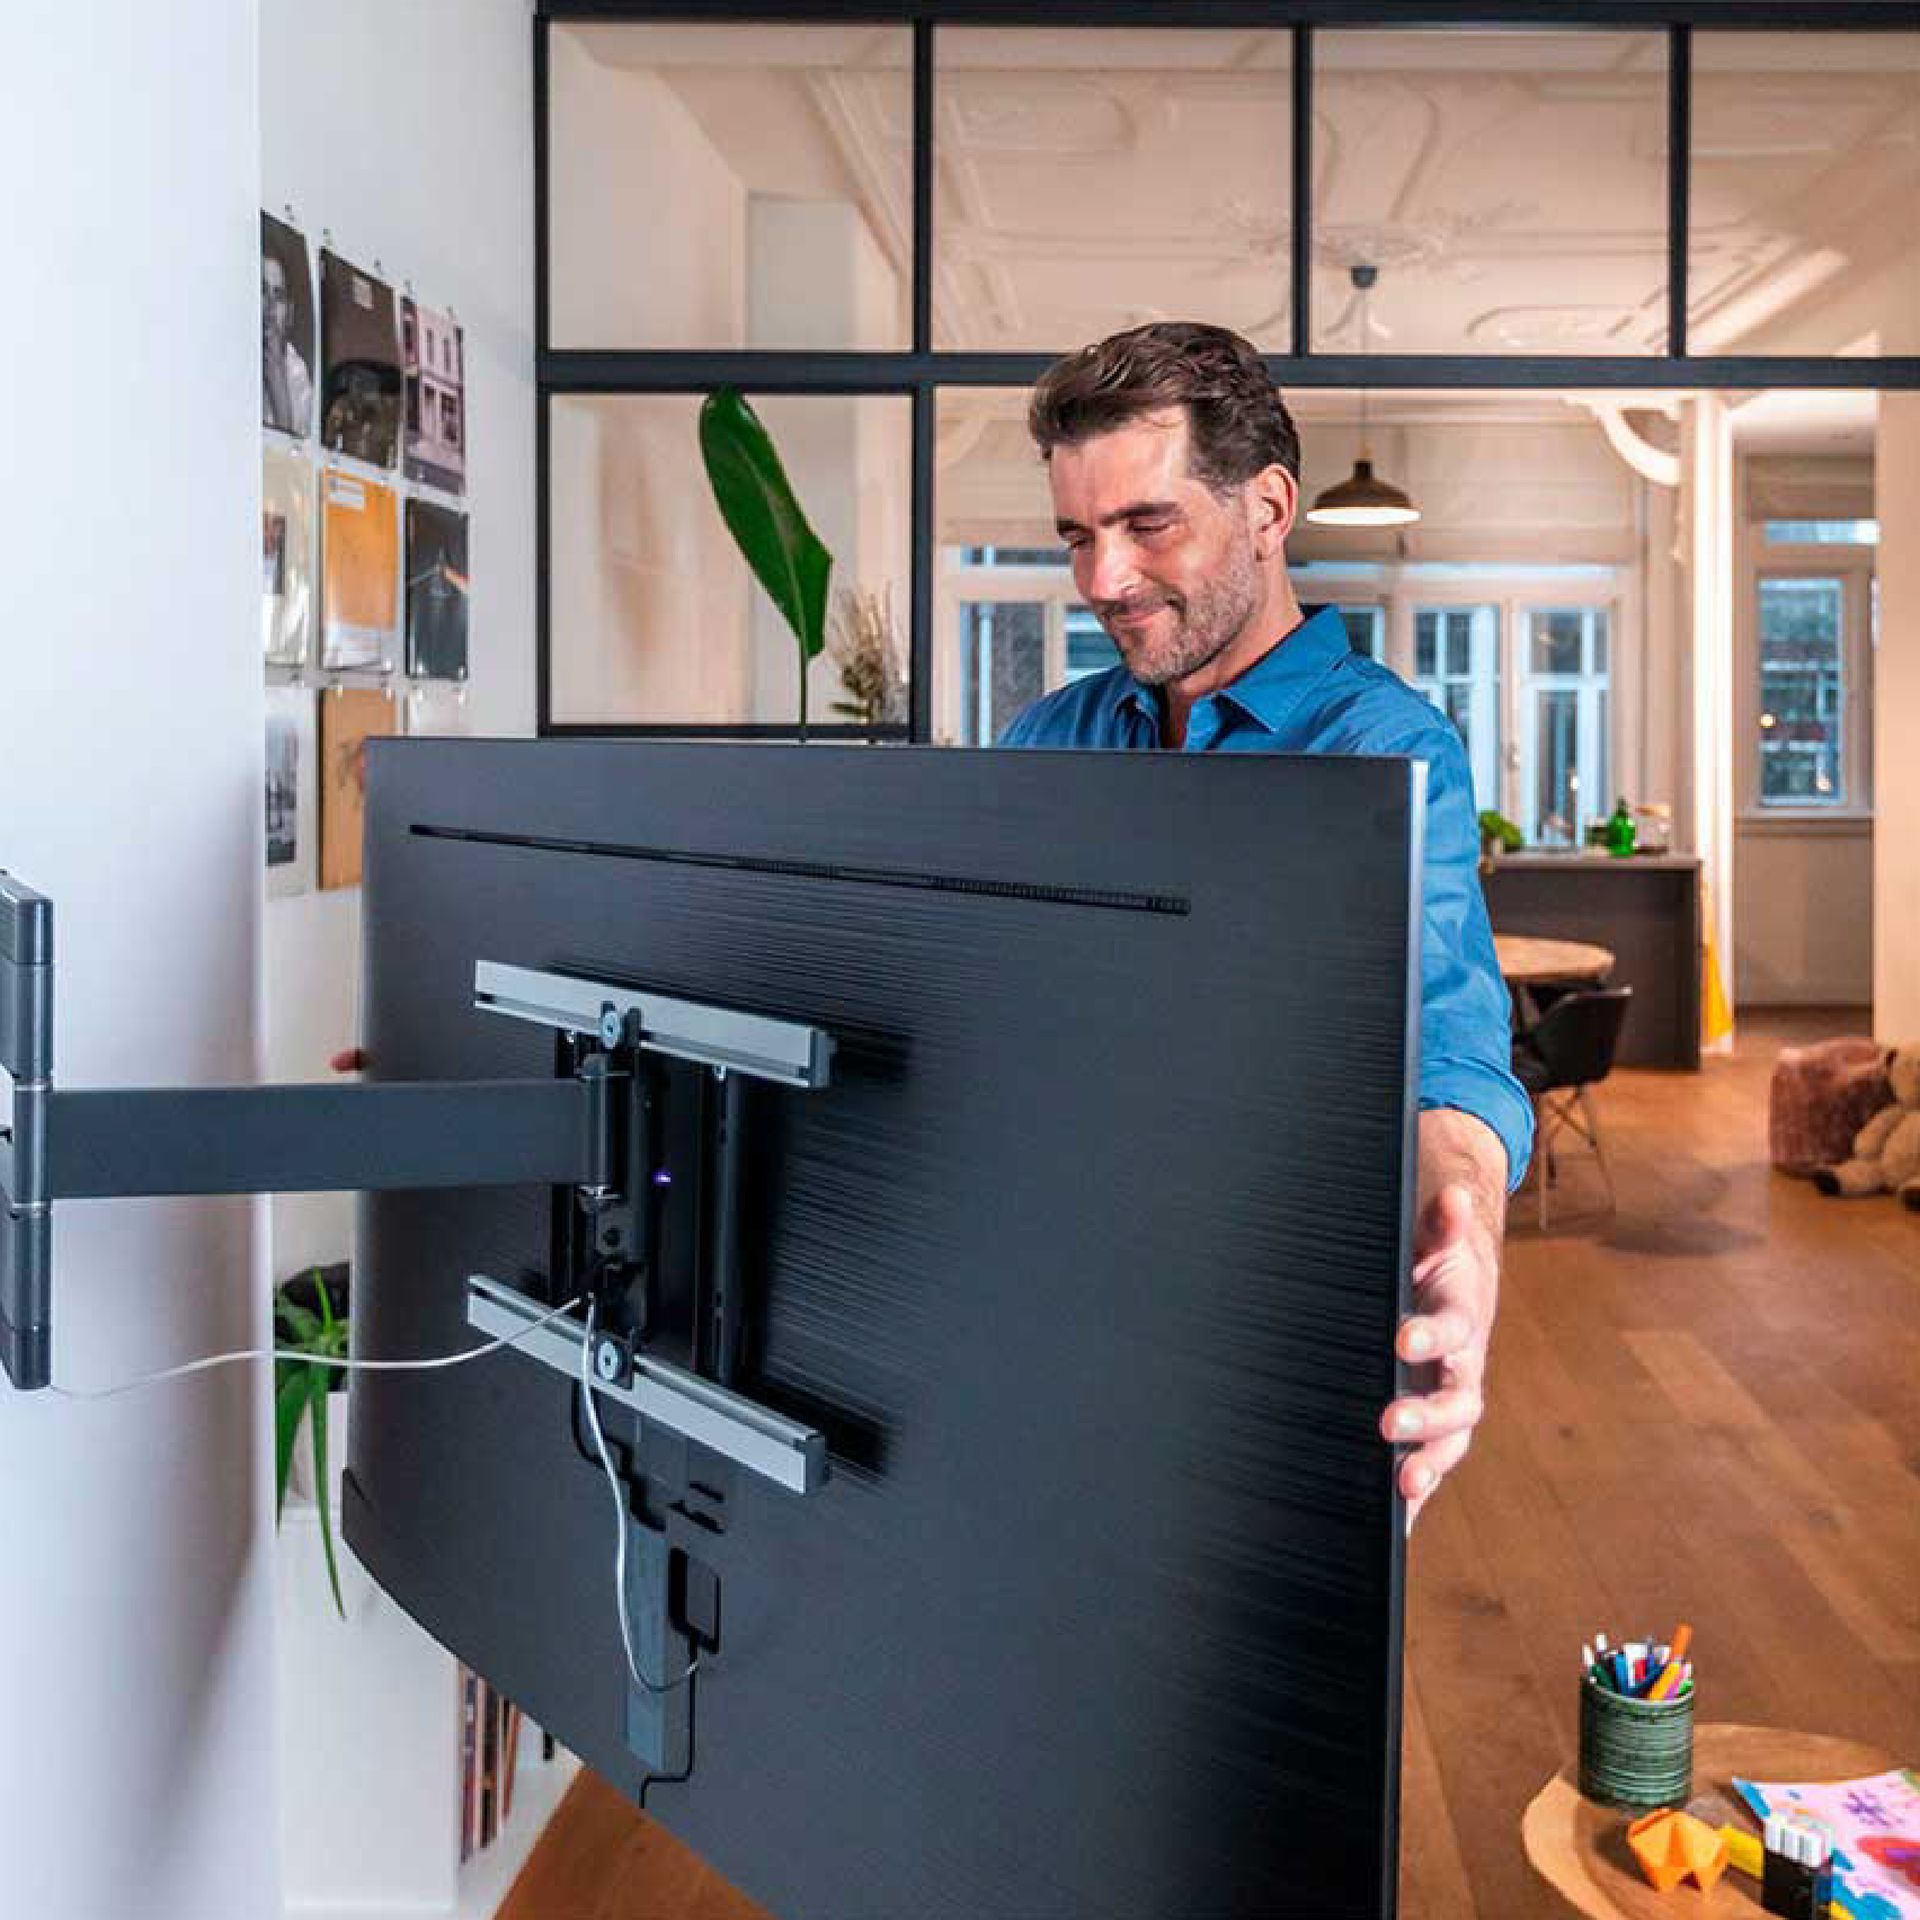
(307, 1321)
(1498, 835)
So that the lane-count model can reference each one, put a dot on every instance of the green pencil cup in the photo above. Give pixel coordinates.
(1636, 1754)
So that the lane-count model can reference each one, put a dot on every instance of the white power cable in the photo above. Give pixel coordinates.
(317, 1360)
(620, 1521)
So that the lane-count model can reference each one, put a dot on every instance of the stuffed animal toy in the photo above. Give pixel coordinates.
(1886, 1151)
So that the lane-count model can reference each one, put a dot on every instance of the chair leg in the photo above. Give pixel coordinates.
(1599, 1149)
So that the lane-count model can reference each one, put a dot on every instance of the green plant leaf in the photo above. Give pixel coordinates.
(291, 1393)
(303, 1325)
(326, 1302)
(757, 501)
(319, 1423)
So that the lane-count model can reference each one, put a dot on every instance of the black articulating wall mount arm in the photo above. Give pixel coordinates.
(563, 1131)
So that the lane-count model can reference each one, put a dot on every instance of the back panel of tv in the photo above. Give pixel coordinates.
(1087, 1263)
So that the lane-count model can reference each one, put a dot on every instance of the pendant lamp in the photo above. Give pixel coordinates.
(1363, 499)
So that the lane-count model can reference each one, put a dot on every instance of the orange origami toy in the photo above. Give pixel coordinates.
(1670, 1846)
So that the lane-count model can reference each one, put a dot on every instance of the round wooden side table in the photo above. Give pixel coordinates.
(1581, 1851)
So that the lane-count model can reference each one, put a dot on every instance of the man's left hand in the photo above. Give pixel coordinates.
(1456, 1287)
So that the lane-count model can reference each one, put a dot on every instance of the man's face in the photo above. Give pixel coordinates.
(1167, 564)
(275, 307)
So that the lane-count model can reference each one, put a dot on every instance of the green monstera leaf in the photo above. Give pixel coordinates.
(757, 501)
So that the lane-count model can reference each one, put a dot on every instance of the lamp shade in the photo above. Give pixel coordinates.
(1362, 500)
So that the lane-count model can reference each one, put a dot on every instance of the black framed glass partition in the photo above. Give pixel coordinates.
(882, 222)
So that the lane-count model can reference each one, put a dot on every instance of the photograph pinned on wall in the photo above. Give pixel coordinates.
(359, 571)
(292, 791)
(286, 328)
(433, 351)
(286, 555)
(360, 392)
(438, 707)
(436, 592)
(349, 718)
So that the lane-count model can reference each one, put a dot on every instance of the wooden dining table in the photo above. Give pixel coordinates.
(1526, 961)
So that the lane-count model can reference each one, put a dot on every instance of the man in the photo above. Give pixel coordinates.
(1175, 473)
(286, 386)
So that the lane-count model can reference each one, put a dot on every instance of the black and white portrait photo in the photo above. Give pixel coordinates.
(286, 328)
(436, 592)
(361, 387)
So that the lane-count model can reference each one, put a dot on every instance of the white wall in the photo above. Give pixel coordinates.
(1803, 914)
(137, 1772)
(405, 132)
(1896, 722)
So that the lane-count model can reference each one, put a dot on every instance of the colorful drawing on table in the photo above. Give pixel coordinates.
(359, 571)
(1875, 1823)
(349, 718)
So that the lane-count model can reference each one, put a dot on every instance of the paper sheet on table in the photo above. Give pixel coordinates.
(1875, 1823)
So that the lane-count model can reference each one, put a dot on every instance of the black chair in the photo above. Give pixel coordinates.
(1567, 1050)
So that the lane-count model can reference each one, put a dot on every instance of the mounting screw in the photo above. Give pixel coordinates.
(612, 1359)
(612, 1025)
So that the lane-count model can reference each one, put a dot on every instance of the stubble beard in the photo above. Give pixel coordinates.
(1203, 625)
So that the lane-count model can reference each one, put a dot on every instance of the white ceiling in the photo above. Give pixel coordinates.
(1509, 184)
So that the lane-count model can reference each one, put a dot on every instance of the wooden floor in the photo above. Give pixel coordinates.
(1703, 1405)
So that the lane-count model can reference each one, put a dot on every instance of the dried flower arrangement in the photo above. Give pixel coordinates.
(862, 639)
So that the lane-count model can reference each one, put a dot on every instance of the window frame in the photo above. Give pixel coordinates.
(1855, 565)
(920, 372)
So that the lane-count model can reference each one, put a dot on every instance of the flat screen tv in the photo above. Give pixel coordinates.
(1081, 1267)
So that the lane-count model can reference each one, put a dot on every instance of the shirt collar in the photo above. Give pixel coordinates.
(1269, 690)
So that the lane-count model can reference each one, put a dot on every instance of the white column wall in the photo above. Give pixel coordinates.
(137, 1772)
(1707, 466)
(1896, 723)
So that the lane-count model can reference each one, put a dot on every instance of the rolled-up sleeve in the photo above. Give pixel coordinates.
(1466, 1039)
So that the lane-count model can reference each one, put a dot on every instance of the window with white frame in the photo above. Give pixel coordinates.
(1564, 745)
(1808, 668)
(1456, 664)
(1521, 661)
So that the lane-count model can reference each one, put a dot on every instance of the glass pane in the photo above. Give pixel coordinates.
(1089, 180)
(1089, 649)
(1508, 184)
(1004, 660)
(1459, 631)
(730, 186)
(1557, 802)
(1802, 625)
(1823, 533)
(1599, 623)
(1426, 644)
(1364, 629)
(1458, 702)
(1556, 640)
(655, 617)
(1016, 556)
(1806, 174)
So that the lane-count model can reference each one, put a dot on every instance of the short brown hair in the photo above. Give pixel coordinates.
(1237, 424)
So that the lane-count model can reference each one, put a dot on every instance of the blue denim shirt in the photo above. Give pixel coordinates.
(1313, 694)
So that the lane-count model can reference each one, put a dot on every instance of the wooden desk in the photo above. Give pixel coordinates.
(1580, 1849)
(1526, 961)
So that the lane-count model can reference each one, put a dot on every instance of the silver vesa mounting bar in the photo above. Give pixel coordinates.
(777, 1449)
(376, 1135)
(764, 1048)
